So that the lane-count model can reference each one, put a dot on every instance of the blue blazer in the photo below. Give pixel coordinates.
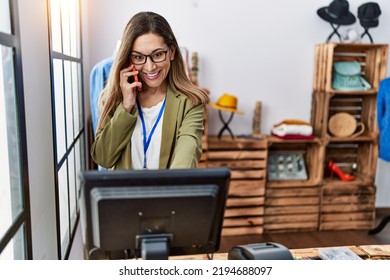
(98, 79)
(383, 117)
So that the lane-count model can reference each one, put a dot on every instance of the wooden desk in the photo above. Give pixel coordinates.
(366, 252)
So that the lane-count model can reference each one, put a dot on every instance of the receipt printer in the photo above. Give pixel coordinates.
(260, 251)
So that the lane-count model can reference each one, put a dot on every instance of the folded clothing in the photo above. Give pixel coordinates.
(292, 121)
(294, 136)
(284, 129)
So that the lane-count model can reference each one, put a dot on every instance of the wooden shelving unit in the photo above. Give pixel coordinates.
(321, 202)
(348, 205)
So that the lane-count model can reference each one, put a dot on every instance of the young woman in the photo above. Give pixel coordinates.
(151, 114)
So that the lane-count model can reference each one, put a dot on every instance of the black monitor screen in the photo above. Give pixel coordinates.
(152, 214)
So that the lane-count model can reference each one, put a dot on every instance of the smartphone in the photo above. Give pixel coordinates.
(134, 78)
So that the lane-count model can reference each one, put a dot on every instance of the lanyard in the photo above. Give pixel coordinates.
(146, 140)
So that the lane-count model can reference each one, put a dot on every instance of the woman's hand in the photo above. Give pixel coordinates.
(128, 89)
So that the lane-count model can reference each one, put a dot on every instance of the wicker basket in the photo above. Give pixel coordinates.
(344, 125)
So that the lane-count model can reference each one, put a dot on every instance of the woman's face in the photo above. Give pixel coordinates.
(158, 59)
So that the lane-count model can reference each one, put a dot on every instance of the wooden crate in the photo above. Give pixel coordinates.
(293, 205)
(247, 159)
(353, 157)
(346, 206)
(292, 209)
(361, 106)
(314, 155)
(371, 57)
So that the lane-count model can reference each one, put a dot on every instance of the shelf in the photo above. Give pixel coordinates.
(276, 140)
(359, 181)
(347, 93)
(363, 138)
(294, 183)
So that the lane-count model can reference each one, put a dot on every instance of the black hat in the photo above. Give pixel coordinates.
(368, 14)
(337, 12)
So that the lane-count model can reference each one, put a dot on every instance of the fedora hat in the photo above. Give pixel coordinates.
(368, 14)
(227, 102)
(337, 12)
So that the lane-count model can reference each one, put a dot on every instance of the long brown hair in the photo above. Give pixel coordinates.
(140, 24)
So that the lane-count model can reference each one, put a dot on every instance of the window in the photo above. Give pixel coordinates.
(67, 107)
(15, 225)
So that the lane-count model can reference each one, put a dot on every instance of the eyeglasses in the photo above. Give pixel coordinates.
(156, 57)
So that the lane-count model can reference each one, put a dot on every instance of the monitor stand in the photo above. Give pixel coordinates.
(154, 246)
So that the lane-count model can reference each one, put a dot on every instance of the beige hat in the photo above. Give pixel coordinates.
(228, 103)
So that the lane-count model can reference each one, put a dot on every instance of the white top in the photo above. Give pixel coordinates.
(287, 129)
(137, 145)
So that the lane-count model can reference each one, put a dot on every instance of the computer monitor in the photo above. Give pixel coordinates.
(152, 214)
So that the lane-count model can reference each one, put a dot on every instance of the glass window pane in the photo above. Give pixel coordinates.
(5, 19)
(69, 103)
(59, 105)
(15, 249)
(55, 20)
(76, 93)
(64, 206)
(10, 184)
(75, 28)
(65, 26)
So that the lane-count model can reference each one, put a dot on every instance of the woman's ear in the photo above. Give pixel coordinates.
(173, 50)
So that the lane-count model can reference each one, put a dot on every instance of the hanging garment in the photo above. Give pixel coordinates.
(98, 79)
(383, 115)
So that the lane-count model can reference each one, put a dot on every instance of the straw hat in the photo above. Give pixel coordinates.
(228, 103)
